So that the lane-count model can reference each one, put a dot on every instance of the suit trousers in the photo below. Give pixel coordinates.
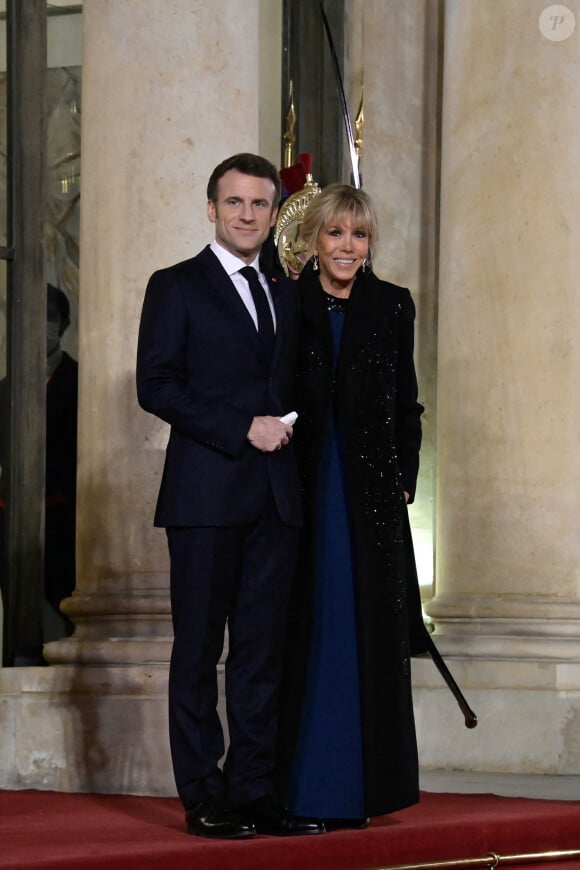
(242, 577)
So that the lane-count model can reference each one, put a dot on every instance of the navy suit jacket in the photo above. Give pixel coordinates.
(199, 369)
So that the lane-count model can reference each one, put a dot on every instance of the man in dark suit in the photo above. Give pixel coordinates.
(216, 361)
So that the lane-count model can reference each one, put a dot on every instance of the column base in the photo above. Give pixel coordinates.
(109, 651)
(528, 629)
(80, 729)
(126, 621)
(528, 715)
(84, 729)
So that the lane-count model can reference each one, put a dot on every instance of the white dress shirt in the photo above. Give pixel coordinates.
(232, 265)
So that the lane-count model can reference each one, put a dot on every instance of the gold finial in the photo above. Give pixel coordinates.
(359, 124)
(289, 136)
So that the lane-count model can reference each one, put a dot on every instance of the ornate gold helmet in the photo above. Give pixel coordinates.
(290, 246)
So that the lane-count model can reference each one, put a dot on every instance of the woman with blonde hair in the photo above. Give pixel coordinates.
(348, 742)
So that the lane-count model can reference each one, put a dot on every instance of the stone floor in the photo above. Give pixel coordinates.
(505, 784)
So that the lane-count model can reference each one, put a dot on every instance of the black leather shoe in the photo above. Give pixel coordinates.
(269, 816)
(210, 818)
(339, 824)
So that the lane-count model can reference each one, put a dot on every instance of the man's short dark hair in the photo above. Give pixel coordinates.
(58, 298)
(247, 164)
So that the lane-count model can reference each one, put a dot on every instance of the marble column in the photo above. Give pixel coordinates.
(169, 89)
(507, 605)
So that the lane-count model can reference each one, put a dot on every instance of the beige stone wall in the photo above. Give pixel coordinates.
(509, 358)
(507, 607)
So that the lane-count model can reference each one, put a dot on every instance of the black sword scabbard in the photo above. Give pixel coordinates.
(469, 715)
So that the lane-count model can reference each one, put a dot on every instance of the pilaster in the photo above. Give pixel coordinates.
(507, 605)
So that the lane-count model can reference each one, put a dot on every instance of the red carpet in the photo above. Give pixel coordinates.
(121, 832)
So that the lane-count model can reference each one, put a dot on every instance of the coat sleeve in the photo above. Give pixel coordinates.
(408, 409)
(165, 384)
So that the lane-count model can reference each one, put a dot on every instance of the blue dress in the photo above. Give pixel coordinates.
(327, 778)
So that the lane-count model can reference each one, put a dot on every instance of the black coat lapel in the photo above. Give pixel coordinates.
(277, 293)
(313, 307)
(365, 313)
(217, 282)
(364, 307)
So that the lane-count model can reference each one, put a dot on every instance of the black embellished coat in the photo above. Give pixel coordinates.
(373, 395)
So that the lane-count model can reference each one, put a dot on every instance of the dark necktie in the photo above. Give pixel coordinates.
(265, 322)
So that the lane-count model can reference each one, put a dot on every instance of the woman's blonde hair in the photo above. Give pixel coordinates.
(331, 206)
